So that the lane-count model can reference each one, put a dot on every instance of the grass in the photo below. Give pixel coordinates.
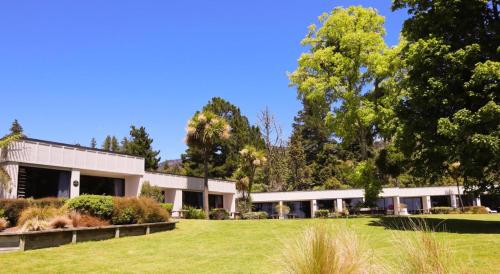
(199, 246)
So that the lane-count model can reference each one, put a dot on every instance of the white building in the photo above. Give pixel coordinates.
(40, 168)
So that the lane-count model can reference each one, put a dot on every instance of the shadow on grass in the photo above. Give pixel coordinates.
(439, 224)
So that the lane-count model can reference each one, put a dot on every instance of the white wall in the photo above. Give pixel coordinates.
(188, 183)
(58, 155)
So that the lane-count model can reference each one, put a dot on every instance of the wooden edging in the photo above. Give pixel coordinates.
(57, 237)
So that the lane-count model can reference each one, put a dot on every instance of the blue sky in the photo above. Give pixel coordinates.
(70, 71)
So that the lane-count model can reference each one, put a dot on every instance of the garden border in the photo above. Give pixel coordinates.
(57, 237)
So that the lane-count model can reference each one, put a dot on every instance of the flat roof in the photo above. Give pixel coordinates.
(78, 146)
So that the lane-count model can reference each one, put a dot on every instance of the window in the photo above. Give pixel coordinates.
(215, 201)
(42, 182)
(102, 186)
(192, 199)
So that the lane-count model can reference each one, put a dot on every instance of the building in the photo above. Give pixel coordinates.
(39, 168)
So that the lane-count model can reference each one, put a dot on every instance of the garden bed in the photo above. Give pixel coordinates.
(57, 237)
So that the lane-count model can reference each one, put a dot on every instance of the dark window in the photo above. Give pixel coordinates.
(42, 182)
(414, 204)
(215, 201)
(440, 201)
(326, 204)
(102, 186)
(192, 199)
(270, 208)
(300, 209)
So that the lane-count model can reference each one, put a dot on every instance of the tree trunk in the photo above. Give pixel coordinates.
(459, 196)
(205, 188)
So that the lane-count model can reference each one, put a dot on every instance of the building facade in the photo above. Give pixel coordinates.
(39, 168)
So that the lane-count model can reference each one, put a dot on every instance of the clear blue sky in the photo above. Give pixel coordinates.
(73, 70)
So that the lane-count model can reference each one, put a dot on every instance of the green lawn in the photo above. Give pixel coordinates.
(233, 247)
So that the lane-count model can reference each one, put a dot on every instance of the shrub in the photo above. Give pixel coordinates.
(125, 211)
(243, 205)
(321, 213)
(75, 218)
(255, 215)
(39, 213)
(12, 208)
(60, 222)
(475, 210)
(283, 208)
(152, 212)
(137, 210)
(219, 214)
(442, 210)
(89, 221)
(35, 224)
(2, 213)
(326, 249)
(48, 202)
(3, 224)
(95, 205)
(422, 252)
(153, 192)
(168, 206)
(194, 213)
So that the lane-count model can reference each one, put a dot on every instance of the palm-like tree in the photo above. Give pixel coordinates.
(204, 132)
(251, 159)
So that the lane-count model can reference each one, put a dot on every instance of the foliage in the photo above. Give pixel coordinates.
(224, 157)
(140, 144)
(16, 129)
(325, 249)
(4, 223)
(110, 144)
(443, 210)
(254, 215)
(206, 131)
(450, 111)
(168, 207)
(95, 205)
(35, 224)
(12, 208)
(194, 213)
(59, 222)
(299, 175)
(284, 209)
(84, 220)
(132, 210)
(48, 202)
(321, 213)
(40, 213)
(243, 205)
(475, 210)
(251, 159)
(219, 214)
(153, 192)
(365, 175)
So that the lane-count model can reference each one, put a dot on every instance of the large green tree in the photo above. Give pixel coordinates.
(450, 110)
(345, 56)
(205, 132)
(224, 160)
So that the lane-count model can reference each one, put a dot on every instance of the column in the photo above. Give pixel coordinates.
(426, 204)
(339, 205)
(177, 202)
(74, 183)
(396, 205)
(477, 201)
(314, 207)
(281, 210)
(453, 200)
(229, 203)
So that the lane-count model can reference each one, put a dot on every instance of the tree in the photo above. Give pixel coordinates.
(140, 144)
(114, 146)
(93, 143)
(205, 131)
(107, 143)
(153, 192)
(299, 172)
(276, 167)
(365, 175)
(450, 110)
(346, 55)
(17, 129)
(225, 162)
(251, 160)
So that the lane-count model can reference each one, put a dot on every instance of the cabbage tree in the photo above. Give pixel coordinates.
(205, 131)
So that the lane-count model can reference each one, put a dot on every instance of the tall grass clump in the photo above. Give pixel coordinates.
(421, 251)
(325, 249)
